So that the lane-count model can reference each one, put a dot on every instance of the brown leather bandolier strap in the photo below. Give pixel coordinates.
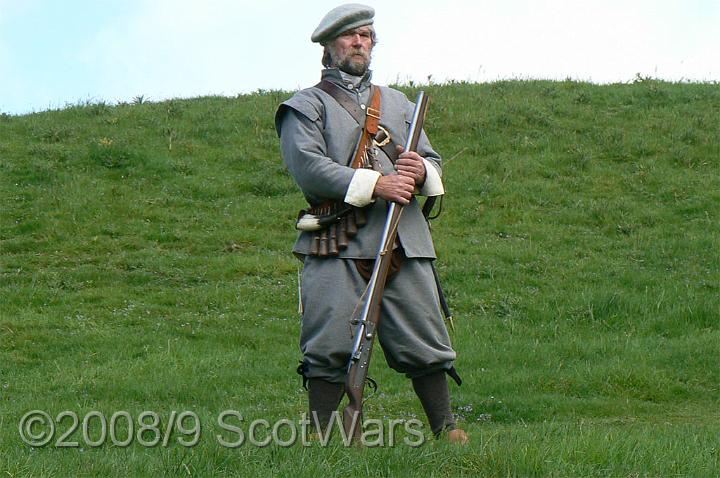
(368, 117)
(372, 126)
(361, 115)
(333, 237)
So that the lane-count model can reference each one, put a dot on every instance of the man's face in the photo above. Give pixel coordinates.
(351, 51)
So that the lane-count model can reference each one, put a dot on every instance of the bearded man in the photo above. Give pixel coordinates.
(319, 133)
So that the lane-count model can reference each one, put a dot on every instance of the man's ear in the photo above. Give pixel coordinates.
(326, 59)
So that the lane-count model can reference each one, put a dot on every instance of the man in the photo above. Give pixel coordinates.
(319, 136)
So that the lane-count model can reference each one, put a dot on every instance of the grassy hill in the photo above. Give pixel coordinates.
(145, 266)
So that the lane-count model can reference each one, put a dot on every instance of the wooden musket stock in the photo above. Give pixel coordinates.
(366, 325)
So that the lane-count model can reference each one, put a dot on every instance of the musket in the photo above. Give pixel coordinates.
(369, 305)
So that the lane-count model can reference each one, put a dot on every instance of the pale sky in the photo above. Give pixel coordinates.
(59, 52)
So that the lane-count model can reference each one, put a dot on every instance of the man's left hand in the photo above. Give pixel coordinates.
(410, 164)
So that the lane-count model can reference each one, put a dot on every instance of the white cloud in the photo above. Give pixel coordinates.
(186, 48)
(166, 48)
(603, 41)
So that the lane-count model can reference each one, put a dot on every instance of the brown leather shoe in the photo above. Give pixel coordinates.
(458, 437)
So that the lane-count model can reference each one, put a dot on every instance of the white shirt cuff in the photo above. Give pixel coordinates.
(433, 185)
(362, 185)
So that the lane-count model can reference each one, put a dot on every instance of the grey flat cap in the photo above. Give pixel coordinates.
(341, 19)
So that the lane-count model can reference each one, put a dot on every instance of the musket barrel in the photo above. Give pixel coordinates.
(390, 228)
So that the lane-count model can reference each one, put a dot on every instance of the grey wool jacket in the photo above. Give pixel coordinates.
(318, 137)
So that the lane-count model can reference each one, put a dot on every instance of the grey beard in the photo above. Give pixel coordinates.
(354, 67)
(348, 65)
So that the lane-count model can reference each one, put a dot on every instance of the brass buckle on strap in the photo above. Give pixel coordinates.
(372, 112)
(386, 139)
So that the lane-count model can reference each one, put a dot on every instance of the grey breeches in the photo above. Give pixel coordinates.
(411, 332)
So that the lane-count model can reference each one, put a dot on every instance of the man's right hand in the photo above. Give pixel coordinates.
(395, 188)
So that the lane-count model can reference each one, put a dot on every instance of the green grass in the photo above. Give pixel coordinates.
(145, 265)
